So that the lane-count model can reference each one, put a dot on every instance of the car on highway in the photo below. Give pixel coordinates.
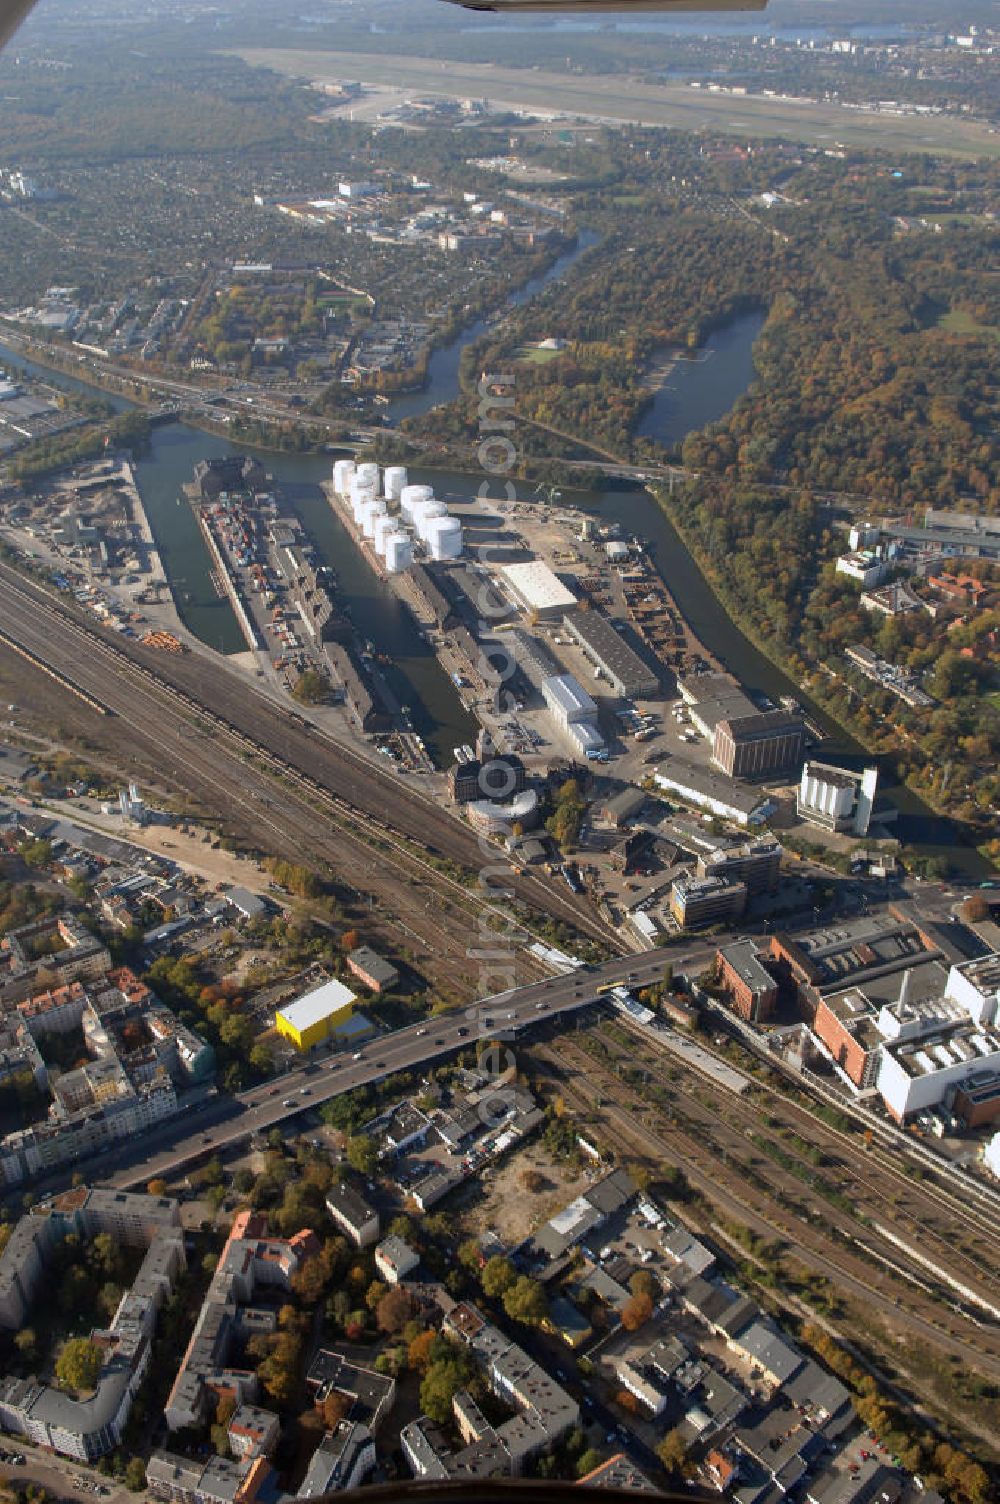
(288, 1102)
(439, 1041)
(357, 1055)
(421, 1031)
(462, 1033)
(303, 1091)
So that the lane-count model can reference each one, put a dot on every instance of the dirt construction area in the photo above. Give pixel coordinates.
(509, 1209)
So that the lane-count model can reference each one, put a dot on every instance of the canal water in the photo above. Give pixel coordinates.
(443, 365)
(698, 392)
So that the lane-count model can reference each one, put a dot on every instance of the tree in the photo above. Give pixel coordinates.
(374, 1293)
(442, 1381)
(310, 1280)
(394, 1310)
(636, 1312)
(135, 1475)
(673, 1452)
(497, 1277)
(157, 1187)
(333, 1409)
(533, 1181)
(79, 1363)
(362, 1154)
(311, 687)
(975, 909)
(587, 1461)
(525, 1301)
(470, 1255)
(26, 1342)
(418, 1354)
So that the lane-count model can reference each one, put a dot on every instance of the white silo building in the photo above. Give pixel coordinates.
(443, 536)
(836, 798)
(410, 496)
(398, 552)
(369, 473)
(394, 481)
(370, 513)
(343, 474)
(384, 525)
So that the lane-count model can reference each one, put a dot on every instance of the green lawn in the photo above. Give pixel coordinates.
(534, 356)
(957, 321)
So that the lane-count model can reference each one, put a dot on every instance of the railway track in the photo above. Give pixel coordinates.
(351, 791)
(866, 1272)
(740, 1118)
(883, 1182)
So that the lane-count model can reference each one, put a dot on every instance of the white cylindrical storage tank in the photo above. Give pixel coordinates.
(394, 481)
(398, 553)
(369, 512)
(361, 493)
(422, 514)
(384, 525)
(362, 488)
(343, 474)
(410, 495)
(444, 537)
(368, 472)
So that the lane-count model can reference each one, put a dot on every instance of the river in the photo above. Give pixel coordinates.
(442, 368)
(698, 392)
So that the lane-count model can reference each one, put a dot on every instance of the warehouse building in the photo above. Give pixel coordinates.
(311, 1019)
(573, 711)
(567, 700)
(929, 1059)
(711, 698)
(536, 590)
(619, 664)
(711, 792)
(759, 745)
(372, 969)
(362, 693)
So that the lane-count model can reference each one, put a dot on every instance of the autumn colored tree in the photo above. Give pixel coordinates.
(333, 1408)
(394, 1310)
(636, 1312)
(418, 1354)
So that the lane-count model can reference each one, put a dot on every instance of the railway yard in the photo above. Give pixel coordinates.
(831, 1223)
(260, 772)
(815, 1197)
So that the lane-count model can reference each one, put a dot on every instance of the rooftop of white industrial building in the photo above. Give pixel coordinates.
(569, 695)
(314, 1006)
(534, 583)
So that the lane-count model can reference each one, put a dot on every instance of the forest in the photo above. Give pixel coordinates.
(876, 391)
